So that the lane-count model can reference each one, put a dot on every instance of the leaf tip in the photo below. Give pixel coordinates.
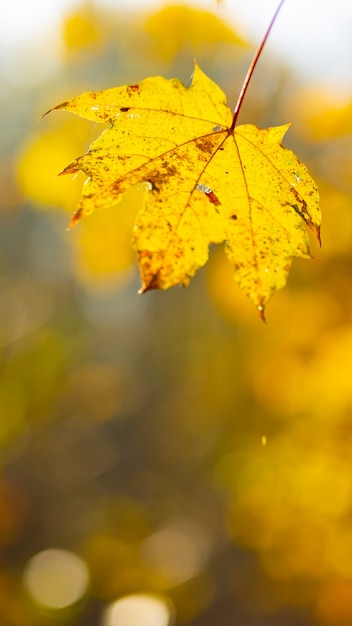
(197, 72)
(69, 169)
(63, 105)
(153, 283)
(144, 288)
(261, 312)
(317, 234)
(75, 218)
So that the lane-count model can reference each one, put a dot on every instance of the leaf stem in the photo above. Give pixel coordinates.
(252, 68)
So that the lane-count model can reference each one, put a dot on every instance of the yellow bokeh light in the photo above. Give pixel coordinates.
(137, 610)
(177, 552)
(179, 26)
(56, 579)
(38, 175)
(81, 29)
(103, 251)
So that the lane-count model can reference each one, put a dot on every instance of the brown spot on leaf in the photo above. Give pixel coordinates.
(170, 169)
(204, 144)
(157, 178)
(212, 197)
(133, 88)
(124, 109)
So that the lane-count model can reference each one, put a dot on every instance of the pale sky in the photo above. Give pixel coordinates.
(315, 36)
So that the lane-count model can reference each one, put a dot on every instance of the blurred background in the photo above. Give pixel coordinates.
(168, 458)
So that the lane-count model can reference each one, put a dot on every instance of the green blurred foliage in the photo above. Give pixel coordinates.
(172, 441)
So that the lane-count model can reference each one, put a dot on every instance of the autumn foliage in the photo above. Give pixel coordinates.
(205, 182)
(171, 447)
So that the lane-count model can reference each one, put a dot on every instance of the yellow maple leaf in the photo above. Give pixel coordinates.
(206, 182)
